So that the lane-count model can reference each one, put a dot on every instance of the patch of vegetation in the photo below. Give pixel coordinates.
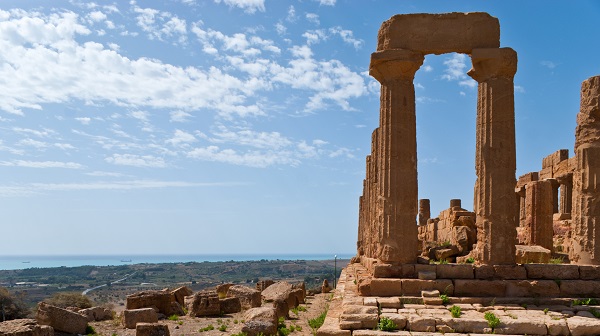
(558, 260)
(445, 243)
(445, 299)
(207, 328)
(173, 318)
(585, 302)
(317, 322)
(595, 313)
(282, 329)
(66, 299)
(455, 311)
(89, 330)
(241, 333)
(14, 307)
(546, 311)
(298, 309)
(524, 305)
(386, 324)
(492, 319)
(470, 260)
(223, 328)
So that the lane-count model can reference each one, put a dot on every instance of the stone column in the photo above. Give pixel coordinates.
(566, 193)
(495, 159)
(424, 211)
(397, 194)
(555, 187)
(585, 233)
(538, 228)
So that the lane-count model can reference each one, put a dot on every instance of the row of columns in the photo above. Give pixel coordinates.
(388, 207)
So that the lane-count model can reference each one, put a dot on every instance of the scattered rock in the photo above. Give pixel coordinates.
(96, 314)
(178, 295)
(25, 327)
(132, 317)
(61, 319)
(151, 329)
(249, 297)
(204, 303)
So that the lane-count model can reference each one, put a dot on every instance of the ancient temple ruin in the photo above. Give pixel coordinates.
(497, 253)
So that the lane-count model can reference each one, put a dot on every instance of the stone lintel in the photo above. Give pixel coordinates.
(493, 63)
(526, 178)
(440, 33)
(555, 158)
(389, 65)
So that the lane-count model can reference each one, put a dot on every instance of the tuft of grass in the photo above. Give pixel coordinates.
(470, 260)
(241, 333)
(386, 324)
(173, 318)
(89, 330)
(558, 260)
(595, 313)
(546, 311)
(455, 311)
(207, 328)
(445, 299)
(585, 302)
(317, 322)
(492, 319)
(223, 328)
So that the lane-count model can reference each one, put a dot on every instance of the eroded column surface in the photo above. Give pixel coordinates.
(566, 193)
(397, 155)
(538, 228)
(495, 158)
(586, 178)
(424, 211)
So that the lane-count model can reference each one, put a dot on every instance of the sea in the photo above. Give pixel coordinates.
(46, 261)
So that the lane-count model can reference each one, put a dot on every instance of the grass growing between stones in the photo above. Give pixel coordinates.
(318, 321)
(455, 311)
(585, 302)
(386, 324)
(492, 319)
(445, 299)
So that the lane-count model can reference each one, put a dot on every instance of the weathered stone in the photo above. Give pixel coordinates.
(367, 321)
(479, 288)
(178, 295)
(230, 305)
(521, 327)
(589, 272)
(260, 318)
(254, 328)
(96, 314)
(510, 272)
(427, 275)
(463, 324)
(420, 323)
(249, 297)
(436, 33)
(386, 287)
(552, 271)
(389, 302)
(222, 289)
(356, 309)
(424, 211)
(24, 327)
(455, 271)
(151, 329)
(414, 286)
(580, 288)
(398, 319)
(526, 254)
(262, 284)
(61, 319)
(131, 317)
(325, 288)
(484, 272)
(281, 308)
(203, 303)
(579, 326)
(149, 299)
(537, 228)
(532, 288)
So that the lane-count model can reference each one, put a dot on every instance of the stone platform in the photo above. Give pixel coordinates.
(425, 314)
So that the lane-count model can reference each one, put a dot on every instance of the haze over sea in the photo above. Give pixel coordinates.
(43, 261)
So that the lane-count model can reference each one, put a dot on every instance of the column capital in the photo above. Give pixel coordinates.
(493, 63)
(392, 64)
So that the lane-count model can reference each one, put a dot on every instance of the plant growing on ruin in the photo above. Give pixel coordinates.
(455, 311)
(470, 260)
(317, 322)
(173, 317)
(595, 313)
(585, 302)
(445, 299)
(492, 319)
(223, 328)
(558, 260)
(546, 311)
(386, 324)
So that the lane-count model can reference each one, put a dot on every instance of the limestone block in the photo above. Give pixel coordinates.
(562, 168)
(455, 271)
(151, 329)
(526, 254)
(61, 319)
(203, 303)
(580, 288)
(557, 327)
(380, 333)
(254, 328)
(589, 272)
(552, 271)
(546, 173)
(521, 327)
(96, 314)
(131, 317)
(389, 302)
(437, 33)
(359, 309)
(537, 226)
(463, 324)
(178, 295)
(386, 287)
(479, 288)
(249, 297)
(368, 321)
(24, 327)
(231, 305)
(415, 286)
(148, 299)
(427, 275)
(433, 301)
(370, 301)
(510, 272)
(526, 178)
(260, 319)
(281, 307)
(532, 288)
(420, 323)
(555, 158)
(484, 272)
(398, 319)
(579, 326)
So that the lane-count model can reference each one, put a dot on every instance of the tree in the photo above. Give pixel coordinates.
(11, 307)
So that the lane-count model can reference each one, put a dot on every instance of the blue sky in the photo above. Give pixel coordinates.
(242, 126)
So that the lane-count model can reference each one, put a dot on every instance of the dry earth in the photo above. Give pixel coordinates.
(186, 325)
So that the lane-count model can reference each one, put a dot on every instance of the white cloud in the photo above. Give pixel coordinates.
(32, 143)
(549, 64)
(136, 160)
(263, 140)
(41, 164)
(291, 14)
(455, 71)
(249, 6)
(161, 25)
(312, 17)
(427, 68)
(256, 159)
(84, 120)
(44, 133)
(181, 138)
(97, 16)
(179, 116)
(280, 28)
(519, 89)
(347, 36)
(327, 2)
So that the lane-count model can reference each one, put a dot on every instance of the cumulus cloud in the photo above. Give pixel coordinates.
(549, 64)
(327, 2)
(312, 17)
(249, 6)
(456, 70)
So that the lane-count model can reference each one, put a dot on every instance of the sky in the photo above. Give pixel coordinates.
(242, 126)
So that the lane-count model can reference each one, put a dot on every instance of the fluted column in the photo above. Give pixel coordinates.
(397, 155)
(538, 228)
(585, 231)
(495, 158)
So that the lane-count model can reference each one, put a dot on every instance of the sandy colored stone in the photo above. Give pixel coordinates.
(96, 313)
(367, 321)
(537, 228)
(149, 299)
(479, 288)
(455, 271)
(178, 295)
(203, 303)
(579, 326)
(438, 33)
(415, 286)
(359, 309)
(589, 272)
(131, 317)
(151, 329)
(552, 271)
(532, 288)
(580, 288)
(61, 319)
(386, 287)
(420, 323)
(526, 254)
(249, 297)
(230, 305)
(510, 272)
(24, 327)
(398, 319)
